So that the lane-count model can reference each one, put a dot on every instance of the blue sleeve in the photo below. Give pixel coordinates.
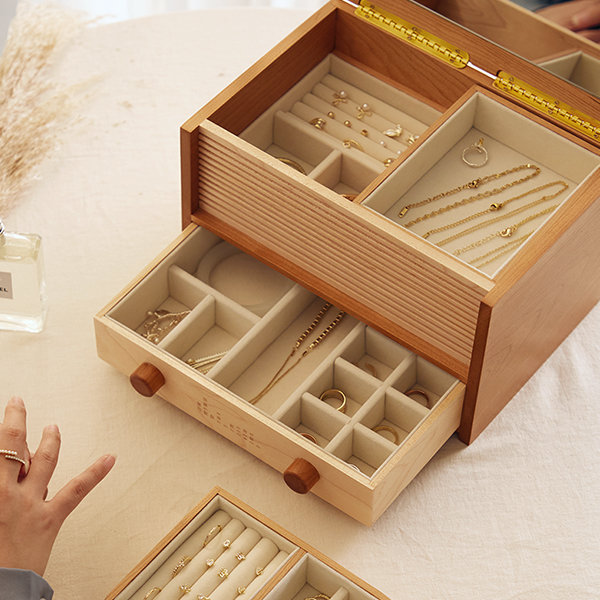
(17, 584)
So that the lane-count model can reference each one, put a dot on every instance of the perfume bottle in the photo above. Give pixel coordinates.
(22, 287)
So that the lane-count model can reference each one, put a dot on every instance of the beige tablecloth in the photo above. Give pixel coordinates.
(515, 515)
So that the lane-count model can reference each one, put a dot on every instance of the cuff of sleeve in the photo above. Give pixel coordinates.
(18, 584)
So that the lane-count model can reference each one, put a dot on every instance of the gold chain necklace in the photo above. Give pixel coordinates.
(281, 373)
(476, 183)
(506, 232)
(496, 206)
(498, 252)
(512, 213)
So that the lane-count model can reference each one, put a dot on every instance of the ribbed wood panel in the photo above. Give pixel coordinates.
(333, 242)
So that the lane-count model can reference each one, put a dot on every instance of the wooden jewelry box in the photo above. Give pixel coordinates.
(224, 550)
(346, 344)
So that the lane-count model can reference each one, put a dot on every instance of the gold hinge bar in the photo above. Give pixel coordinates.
(547, 104)
(415, 35)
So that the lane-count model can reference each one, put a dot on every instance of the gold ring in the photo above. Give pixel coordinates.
(241, 590)
(390, 430)
(352, 144)
(475, 150)
(13, 455)
(227, 544)
(318, 122)
(240, 556)
(152, 593)
(184, 589)
(223, 573)
(415, 392)
(291, 163)
(319, 597)
(259, 571)
(336, 395)
(180, 565)
(210, 562)
(310, 437)
(211, 534)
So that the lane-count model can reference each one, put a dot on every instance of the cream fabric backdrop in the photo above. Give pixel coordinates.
(515, 515)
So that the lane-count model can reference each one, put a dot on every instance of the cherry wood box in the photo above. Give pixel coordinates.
(225, 550)
(293, 197)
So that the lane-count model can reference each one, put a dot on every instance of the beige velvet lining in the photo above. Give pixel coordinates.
(311, 577)
(261, 547)
(285, 129)
(437, 166)
(373, 371)
(579, 68)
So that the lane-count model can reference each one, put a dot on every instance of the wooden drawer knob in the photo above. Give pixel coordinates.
(147, 379)
(300, 476)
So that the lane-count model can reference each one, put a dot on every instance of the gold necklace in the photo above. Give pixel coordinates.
(506, 232)
(476, 183)
(498, 252)
(496, 206)
(280, 373)
(512, 213)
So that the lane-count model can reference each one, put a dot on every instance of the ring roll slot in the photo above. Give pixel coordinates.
(198, 567)
(271, 346)
(245, 573)
(213, 327)
(418, 374)
(310, 577)
(356, 385)
(395, 411)
(384, 113)
(374, 353)
(163, 571)
(372, 153)
(362, 447)
(309, 415)
(386, 93)
(268, 570)
(224, 566)
(344, 173)
(242, 278)
(374, 134)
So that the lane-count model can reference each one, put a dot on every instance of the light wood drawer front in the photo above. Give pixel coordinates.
(363, 498)
(336, 241)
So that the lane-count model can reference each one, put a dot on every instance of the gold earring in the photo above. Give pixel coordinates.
(340, 97)
(347, 123)
(364, 110)
(352, 144)
(318, 122)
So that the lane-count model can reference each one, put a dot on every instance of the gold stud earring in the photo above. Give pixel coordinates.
(347, 123)
(331, 114)
(364, 110)
(318, 122)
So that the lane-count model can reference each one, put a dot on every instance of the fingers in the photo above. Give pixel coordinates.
(44, 460)
(13, 436)
(79, 487)
(587, 18)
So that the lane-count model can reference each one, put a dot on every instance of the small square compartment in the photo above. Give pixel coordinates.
(172, 290)
(362, 448)
(345, 377)
(395, 415)
(421, 376)
(375, 353)
(212, 328)
(308, 415)
(578, 67)
(310, 577)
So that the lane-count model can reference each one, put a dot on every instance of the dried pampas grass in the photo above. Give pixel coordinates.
(32, 108)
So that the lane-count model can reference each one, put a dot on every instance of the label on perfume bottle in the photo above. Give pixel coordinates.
(6, 290)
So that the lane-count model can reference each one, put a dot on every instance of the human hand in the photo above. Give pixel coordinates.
(581, 16)
(29, 523)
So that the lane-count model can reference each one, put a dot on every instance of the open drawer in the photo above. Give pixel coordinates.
(335, 405)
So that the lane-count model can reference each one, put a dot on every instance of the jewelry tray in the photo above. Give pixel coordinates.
(372, 370)
(470, 335)
(261, 561)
